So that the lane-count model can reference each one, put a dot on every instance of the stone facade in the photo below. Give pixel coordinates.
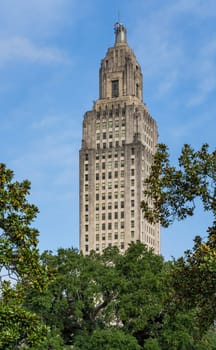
(119, 140)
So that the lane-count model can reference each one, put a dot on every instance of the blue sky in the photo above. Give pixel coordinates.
(50, 52)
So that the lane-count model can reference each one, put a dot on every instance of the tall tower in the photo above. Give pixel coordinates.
(119, 140)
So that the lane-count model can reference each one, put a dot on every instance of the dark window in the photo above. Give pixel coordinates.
(109, 226)
(115, 88)
(103, 227)
(137, 90)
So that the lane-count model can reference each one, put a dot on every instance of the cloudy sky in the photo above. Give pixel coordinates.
(50, 52)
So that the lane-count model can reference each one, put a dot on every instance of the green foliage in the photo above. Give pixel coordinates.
(174, 189)
(106, 339)
(95, 291)
(19, 261)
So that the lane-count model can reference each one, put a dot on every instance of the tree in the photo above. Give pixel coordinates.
(19, 263)
(94, 292)
(173, 192)
(106, 339)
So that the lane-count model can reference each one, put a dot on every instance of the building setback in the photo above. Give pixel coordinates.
(119, 140)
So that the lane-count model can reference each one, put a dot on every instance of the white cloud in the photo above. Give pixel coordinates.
(23, 49)
(173, 53)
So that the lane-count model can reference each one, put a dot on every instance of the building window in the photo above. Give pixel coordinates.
(86, 228)
(122, 224)
(97, 237)
(137, 90)
(97, 247)
(116, 216)
(116, 226)
(103, 227)
(97, 197)
(86, 238)
(97, 217)
(86, 156)
(109, 226)
(132, 234)
(122, 245)
(103, 176)
(86, 177)
(97, 227)
(122, 215)
(86, 208)
(132, 224)
(103, 216)
(116, 235)
(115, 88)
(86, 248)
(132, 172)
(97, 177)
(109, 236)
(110, 216)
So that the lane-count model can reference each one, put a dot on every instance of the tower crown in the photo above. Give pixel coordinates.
(120, 73)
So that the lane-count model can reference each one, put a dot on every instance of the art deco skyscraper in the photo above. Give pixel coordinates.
(119, 139)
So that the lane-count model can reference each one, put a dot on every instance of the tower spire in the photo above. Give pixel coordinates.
(120, 33)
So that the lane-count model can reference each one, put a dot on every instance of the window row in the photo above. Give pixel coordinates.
(108, 165)
(109, 216)
(110, 185)
(109, 206)
(110, 236)
(109, 195)
(109, 175)
(109, 155)
(110, 144)
(103, 246)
